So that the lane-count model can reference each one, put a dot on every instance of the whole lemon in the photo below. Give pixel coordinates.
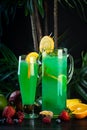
(3, 102)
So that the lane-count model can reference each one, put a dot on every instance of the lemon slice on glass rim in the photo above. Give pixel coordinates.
(46, 44)
(31, 55)
(31, 58)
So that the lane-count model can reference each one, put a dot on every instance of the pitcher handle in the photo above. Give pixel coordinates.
(71, 68)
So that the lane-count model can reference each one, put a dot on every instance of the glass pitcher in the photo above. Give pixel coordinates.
(56, 74)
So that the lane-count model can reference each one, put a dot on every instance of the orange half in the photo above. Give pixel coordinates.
(79, 110)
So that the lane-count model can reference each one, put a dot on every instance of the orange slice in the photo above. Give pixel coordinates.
(28, 59)
(71, 102)
(31, 54)
(79, 110)
(46, 44)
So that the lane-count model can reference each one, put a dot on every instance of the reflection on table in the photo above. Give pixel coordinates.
(37, 124)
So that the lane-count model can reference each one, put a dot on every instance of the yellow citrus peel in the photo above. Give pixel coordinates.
(46, 113)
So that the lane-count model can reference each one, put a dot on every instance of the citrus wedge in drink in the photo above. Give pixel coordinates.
(46, 44)
(62, 77)
(79, 110)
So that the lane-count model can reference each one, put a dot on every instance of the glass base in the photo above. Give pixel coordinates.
(29, 112)
(30, 116)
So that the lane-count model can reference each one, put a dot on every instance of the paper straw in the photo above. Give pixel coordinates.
(19, 65)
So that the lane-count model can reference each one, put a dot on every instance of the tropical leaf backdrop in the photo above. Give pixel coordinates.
(8, 70)
(76, 6)
(37, 10)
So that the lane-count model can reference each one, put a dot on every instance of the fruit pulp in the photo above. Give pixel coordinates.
(54, 83)
(28, 81)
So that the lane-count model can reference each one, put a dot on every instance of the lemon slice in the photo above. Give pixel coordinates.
(31, 54)
(46, 44)
(46, 113)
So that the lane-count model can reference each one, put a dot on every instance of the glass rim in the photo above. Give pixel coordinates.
(55, 51)
(63, 48)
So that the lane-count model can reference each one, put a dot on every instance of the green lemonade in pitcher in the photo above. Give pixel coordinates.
(28, 79)
(54, 83)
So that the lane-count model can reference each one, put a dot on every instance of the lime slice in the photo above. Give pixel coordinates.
(61, 84)
(62, 77)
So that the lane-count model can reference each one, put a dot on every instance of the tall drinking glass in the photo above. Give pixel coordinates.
(54, 79)
(27, 75)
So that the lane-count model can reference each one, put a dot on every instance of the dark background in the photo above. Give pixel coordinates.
(17, 35)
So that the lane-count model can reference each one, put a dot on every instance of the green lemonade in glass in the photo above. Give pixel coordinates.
(54, 81)
(28, 79)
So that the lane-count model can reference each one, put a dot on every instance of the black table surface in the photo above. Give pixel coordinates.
(36, 124)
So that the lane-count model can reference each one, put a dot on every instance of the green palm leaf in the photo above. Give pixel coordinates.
(8, 71)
